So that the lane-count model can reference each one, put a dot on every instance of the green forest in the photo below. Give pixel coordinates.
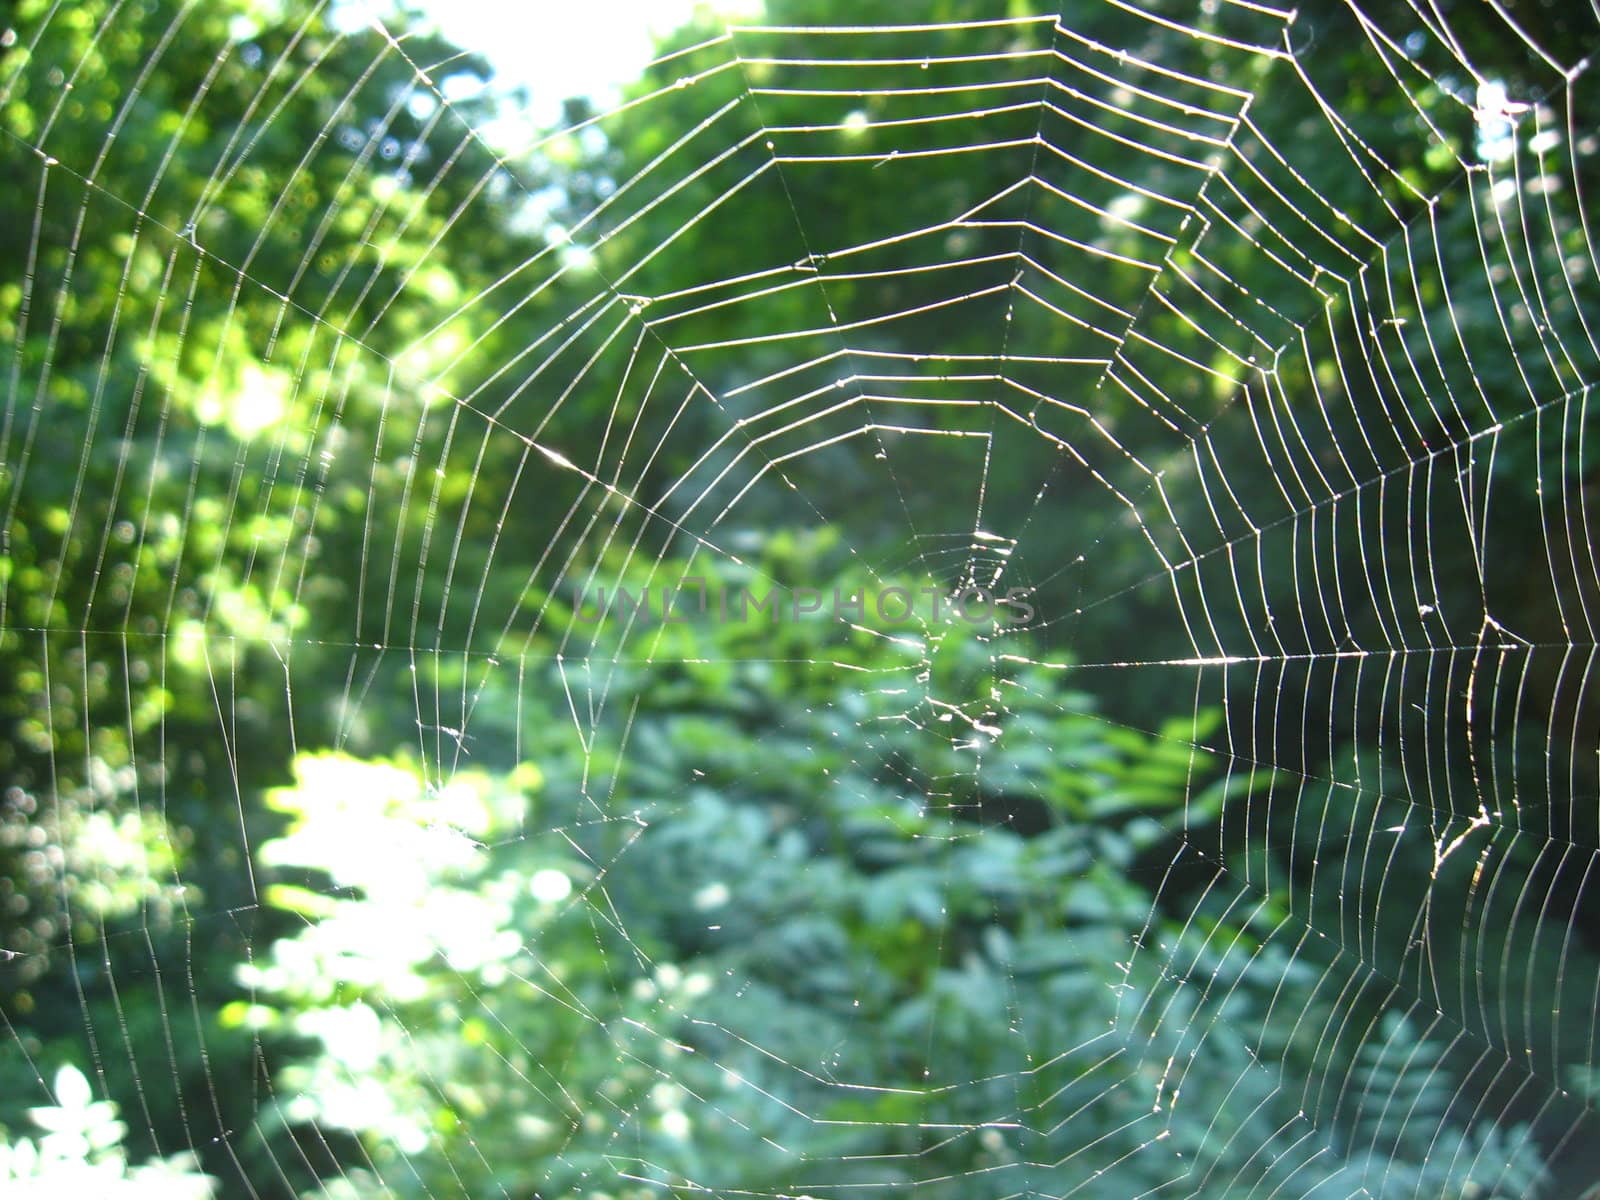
(352, 845)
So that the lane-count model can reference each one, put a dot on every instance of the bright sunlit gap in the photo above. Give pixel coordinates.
(557, 51)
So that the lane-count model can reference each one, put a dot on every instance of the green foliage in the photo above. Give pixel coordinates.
(258, 297)
(681, 945)
(80, 1153)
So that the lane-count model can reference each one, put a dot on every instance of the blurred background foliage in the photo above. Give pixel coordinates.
(660, 946)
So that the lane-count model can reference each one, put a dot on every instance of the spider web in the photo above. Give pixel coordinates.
(1346, 507)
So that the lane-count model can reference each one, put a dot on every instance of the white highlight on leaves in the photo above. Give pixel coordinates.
(550, 886)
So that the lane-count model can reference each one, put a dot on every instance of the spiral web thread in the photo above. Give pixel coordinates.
(1352, 377)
